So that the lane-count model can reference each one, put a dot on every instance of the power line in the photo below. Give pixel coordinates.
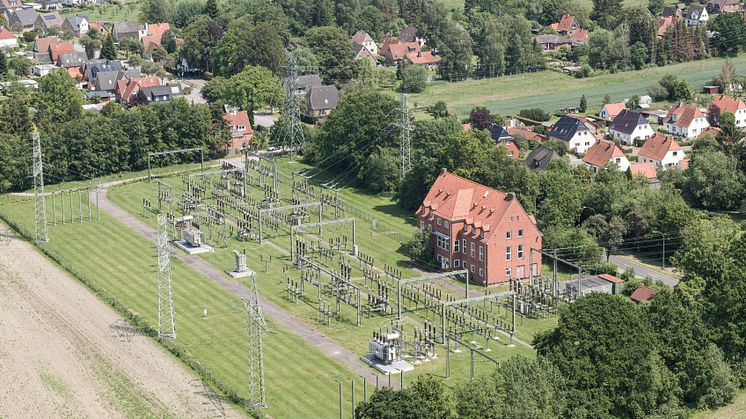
(292, 108)
(256, 326)
(166, 325)
(40, 206)
(405, 145)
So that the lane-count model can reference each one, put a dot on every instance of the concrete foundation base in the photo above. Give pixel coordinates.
(241, 274)
(395, 367)
(192, 250)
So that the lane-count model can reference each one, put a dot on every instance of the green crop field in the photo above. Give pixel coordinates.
(109, 12)
(551, 90)
(301, 381)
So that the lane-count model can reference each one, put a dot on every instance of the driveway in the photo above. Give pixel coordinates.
(196, 85)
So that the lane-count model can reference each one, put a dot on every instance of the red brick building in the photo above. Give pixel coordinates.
(480, 229)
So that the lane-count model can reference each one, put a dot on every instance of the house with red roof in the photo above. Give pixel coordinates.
(611, 110)
(424, 59)
(153, 37)
(604, 152)
(646, 171)
(643, 294)
(362, 38)
(567, 25)
(56, 49)
(241, 131)
(685, 121)
(395, 51)
(482, 230)
(7, 39)
(723, 104)
(128, 88)
(661, 150)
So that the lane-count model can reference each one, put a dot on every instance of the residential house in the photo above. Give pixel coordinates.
(675, 11)
(320, 101)
(55, 49)
(685, 121)
(646, 171)
(424, 58)
(360, 52)
(72, 59)
(362, 38)
(527, 133)
(725, 104)
(480, 229)
(577, 134)
(303, 84)
(100, 96)
(43, 44)
(696, 15)
(22, 19)
(41, 70)
(397, 51)
(503, 139)
(7, 39)
(241, 131)
(643, 294)
(664, 24)
(104, 81)
(100, 27)
(127, 29)
(540, 157)
(604, 152)
(158, 94)
(46, 21)
(76, 24)
(128, 87)
(631, 128)
(410, 34)
(611, 110)
(661, 150)
(580, 36)
(10, 5)
(552, 42)
(50, 4)
(93, 67)
(723, 6)
(567, 25)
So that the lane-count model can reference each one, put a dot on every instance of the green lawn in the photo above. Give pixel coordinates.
(735, 410)
(110, 12)
(301, 381)
(551, 90)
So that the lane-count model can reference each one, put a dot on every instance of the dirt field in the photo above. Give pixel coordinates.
(64, 353)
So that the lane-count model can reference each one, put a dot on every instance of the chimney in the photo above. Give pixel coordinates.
(510, 196)
(443, 171)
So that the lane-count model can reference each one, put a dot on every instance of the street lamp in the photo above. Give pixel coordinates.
(663, 258)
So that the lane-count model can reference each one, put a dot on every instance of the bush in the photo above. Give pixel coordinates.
(413, 79)
(420, 247)
(534, 114)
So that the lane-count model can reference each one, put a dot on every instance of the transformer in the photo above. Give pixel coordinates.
(385, 347)
(193, 237)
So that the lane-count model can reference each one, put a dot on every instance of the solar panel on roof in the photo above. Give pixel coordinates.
(49, 17)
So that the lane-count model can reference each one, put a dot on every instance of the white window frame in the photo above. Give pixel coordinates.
(446, 224)
(471, 249)
(456, 263)
(520, 251)
(508, 235)
(481, 273)
(508, 253)
(463, 246)
(508, 272)
(472, 269)
(481, 253)
(437, 220)
(456, 248)
(520, 232)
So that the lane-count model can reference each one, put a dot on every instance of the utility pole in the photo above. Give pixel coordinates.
(256, 326)
(40, 204)
(405, 146)
(166, 325)
(292, 108)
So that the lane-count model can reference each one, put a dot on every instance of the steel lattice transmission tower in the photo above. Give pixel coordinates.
(292, 107)
(405, 131)
(166, 325)
(256, 326)
(40, 203)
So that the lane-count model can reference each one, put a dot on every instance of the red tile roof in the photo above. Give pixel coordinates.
(643, 294)
(611, 278)
(400, 50)
(526, 133)
(237, 119)
(360, 36)
(725, 103)
(709, 131)
(684, 114)
(663, 24)
(422, 58)
(647, 170)
(601, 153)
(75, 73)
(6, 34)
(456, 198)
(614, 109)
(158, 29)
(43, 44)
(580, 35)
(566, 24)
(511, 147)
(97, 25)
(657, 146)
(128, 88)
(56, 49)
(684, 164)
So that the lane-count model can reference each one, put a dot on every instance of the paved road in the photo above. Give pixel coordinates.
(642, 270)
(270, 309)
(195, 96)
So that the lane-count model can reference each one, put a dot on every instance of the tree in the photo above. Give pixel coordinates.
(606, 99)
(633, 102)
(583, 104)
(380, 173)
(519, 387)
(155, 11)
(438, 110)
(91, 45)
(714, 182)
(3, 65)
(57, 99)
(426, 398)
(414, 79)
(455, 48)
(254, 87)
(201, 38)
(610, 234)
(656, 6)
(372, 21)
(168, 41)
(211, 9)
(331, 47)
(535, 114)
(606, 12)
(481, 118)
(638, 55)
(602, 346)
(108, 50)
(676, 89)
(729, 33)
(560, 199)
(552, 11)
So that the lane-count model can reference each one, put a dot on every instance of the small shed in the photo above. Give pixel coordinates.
(711, 90)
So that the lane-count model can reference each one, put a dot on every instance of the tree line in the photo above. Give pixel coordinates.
(79, 145)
